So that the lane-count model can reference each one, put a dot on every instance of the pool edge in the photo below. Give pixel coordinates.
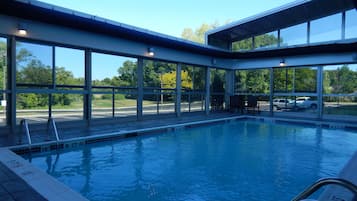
(45, 185)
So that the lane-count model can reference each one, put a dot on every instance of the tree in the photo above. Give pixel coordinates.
(34, 73)
(198, 35)
(2, 64)
(127, 74)
(305, 79)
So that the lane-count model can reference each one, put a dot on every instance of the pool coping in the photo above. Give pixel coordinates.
(40, 181)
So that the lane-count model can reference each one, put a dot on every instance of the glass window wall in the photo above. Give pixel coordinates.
(295, 90)
(246, 44)
(3, 80)
(326, 29)
(268, 40)
(33, 65)
(33, 107)
(69, 67)
(255, 82)
(67, 107)
(114, 84)
(159, 87)
(294, 35)
(351, 24)
(217, 88)
(193, 88)
(340, 89)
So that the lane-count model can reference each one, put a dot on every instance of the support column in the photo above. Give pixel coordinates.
(319, 92)
(271, 89)
(11, 105)
(229, 89)
(139, 103)
(207, 89)
(178, 90)
(87, 106)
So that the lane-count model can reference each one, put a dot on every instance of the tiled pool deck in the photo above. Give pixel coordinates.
(20, 181)
(13, 188)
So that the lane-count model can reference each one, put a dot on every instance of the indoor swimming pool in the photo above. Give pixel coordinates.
(247, 160)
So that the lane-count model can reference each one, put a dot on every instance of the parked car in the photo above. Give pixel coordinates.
(306, 102)
(283, 103)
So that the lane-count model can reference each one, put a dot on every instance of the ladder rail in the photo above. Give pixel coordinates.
(54, 127)
(25, 125)
(323, 182)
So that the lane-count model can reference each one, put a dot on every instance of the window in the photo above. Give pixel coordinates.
(267, 40)
(295, 80)
(326, 29)
(33, 65)
(252, 81)
(69, 66)
(340, 89)
(217, 88)
(159, 87)
(246, 44)
(255, 82)
(351, 24)
(114, 82)
(294, 35)
(3, 80)
(193, 86)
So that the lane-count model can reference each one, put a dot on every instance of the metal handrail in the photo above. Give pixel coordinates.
(322, 182)
(24, 124)
(52, 122)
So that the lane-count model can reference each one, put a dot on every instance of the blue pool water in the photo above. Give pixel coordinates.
(240, 160)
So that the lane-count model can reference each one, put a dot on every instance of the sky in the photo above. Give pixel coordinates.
(168, 16)
(163, 16)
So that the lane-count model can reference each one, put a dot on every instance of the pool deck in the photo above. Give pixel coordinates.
(20, 181)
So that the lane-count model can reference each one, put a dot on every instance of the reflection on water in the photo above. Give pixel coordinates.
(243, 160)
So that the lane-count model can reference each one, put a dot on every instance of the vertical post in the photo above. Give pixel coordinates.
(139, 103)
(308, 32)
(12, 84)
(178, 90)
(253, 43)
(113, 102)
(319, 91)
(343, 26)
(271, 90)
(207, 89)
(279, 39)
(229, 87)
(53, 86)
(87, 106)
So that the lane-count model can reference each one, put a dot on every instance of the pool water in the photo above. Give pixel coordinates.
(240, 160)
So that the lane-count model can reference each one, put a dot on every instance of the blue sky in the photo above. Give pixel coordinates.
(170, 17)
(163, 16)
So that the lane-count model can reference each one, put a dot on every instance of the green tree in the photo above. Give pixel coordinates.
(127, 74)
(305, 79)
(2, 64)
(343, 80)
(283, 79)
(265, 40)
(245, 44)
(34, 73)
(198, 35)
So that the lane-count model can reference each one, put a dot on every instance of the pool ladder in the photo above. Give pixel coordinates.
(51, 124)
(323, 182)
(25, 126)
